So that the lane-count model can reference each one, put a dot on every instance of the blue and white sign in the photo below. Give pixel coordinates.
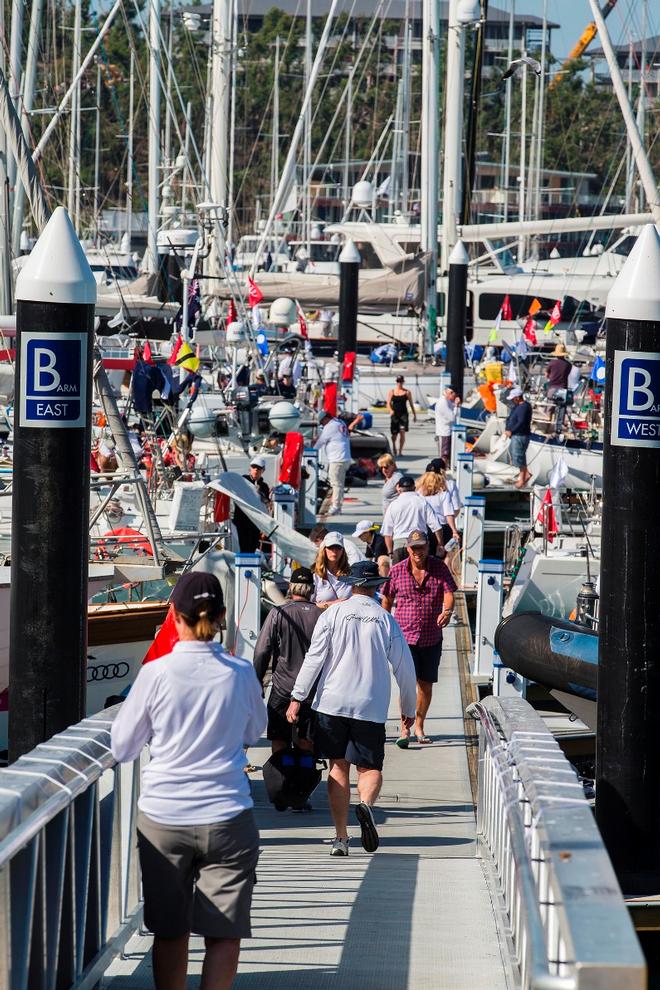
(53, 380)
(636, 399)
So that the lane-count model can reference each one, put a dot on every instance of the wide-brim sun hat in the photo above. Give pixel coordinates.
(559, 351)
(364, 574)
(364, 526)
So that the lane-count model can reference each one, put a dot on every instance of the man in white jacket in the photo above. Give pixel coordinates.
(353, 646)
(334, 445)
(446, 414)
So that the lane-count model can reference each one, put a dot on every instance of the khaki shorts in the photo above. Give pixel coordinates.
(198, 878)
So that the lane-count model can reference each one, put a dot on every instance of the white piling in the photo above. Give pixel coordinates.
(284, 511)
(464, 470)
(458, 440)
(247, 603)
(308, 489)
(474, 513)
(490, 596)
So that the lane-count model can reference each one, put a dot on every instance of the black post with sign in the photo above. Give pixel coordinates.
(456, 315)
(56, 294)
(349, 275)
(628, 753)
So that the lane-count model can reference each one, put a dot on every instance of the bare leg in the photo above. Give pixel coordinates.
(220, 963)
(424, 694)
(402, 440)
(170, 961)
(339, 795)
(369, 785)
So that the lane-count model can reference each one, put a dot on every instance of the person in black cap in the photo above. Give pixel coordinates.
(408, 512)
(398, 400)
(196, 707)
(353, 647)
(283, 642)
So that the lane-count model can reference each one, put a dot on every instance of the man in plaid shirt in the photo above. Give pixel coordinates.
(422, 589)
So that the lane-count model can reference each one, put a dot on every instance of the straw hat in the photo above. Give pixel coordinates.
(560, 351)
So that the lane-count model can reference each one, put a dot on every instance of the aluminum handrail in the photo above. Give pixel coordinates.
(568, 923)
(69, 884)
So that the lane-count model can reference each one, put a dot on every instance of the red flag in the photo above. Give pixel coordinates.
(232, 315)
(506, 309)
(255, 295)
(292, 452)
(175, 350)
(348, 367)
(330, 397)
(146, 353)
(555, 315)
(165, 639)
(529, 332)
(302, 322)
(546, 516)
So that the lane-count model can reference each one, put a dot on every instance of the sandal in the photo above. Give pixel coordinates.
(424, 740)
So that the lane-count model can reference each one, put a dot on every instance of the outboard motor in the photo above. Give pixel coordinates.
(562, 398)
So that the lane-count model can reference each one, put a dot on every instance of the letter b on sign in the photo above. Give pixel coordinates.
(636, 399)
(53, 380)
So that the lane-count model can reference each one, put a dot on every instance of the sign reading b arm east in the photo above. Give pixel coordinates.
(636, 399)
(53, 380)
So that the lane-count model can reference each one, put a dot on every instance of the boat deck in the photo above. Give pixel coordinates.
(418, 914)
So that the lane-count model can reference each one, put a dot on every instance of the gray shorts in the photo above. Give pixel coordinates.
(198, 878)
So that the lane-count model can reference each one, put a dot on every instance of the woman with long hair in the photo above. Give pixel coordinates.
(330, 569)
(432, 486)
(196, 708)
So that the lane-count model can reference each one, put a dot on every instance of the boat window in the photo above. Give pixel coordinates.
(324, 252)
(624, 246)
(369, 257)
(409, 247)
(491, 302)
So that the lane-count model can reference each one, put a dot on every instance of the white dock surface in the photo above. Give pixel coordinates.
(417, 914)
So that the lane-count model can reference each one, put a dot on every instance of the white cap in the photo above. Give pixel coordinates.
(362, 527)
(333, 539)
(515, 393)
(57, 270)
(258, 462)
(350, 254)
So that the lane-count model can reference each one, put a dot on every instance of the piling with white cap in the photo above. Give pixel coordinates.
(349, 272)
(627, 753)
(456, 314)
(56, 295)
(308, 489)
(247, 603)
(474, 516)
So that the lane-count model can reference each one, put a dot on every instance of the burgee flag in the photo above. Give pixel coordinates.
(555, 317)
(255, 295)
(506, 309)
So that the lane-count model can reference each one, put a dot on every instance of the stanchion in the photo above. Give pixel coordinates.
(464, 471)
(490, 596)
(474, 513)
(56, 294)
(627, 752)
(309, 489)
(458, 441)
(247, 603)
(284, 499)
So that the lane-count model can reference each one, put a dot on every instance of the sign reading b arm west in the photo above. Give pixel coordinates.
(53, 380)
(636, 399)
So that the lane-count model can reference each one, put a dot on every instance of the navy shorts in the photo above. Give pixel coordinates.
(279, 728)
(427, 661)
(337, 737)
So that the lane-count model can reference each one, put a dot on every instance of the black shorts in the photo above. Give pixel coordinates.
(427, 661)
(279, 728)
(337, 737)
(398, 423)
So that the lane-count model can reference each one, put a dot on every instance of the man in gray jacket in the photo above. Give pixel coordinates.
(283, 642)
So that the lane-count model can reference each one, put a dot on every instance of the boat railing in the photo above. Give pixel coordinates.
(69, 880)
(566, 922)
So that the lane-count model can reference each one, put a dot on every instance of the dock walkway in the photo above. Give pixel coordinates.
(416, 915)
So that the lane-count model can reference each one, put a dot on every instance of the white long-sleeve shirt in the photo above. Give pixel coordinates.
(353, 646)
(442, 506)
(197, 707)
(334, 441)
(446, 414)
(408, 512)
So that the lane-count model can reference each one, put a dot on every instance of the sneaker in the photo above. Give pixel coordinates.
(334, 510)
(339, 847)
(369, 836)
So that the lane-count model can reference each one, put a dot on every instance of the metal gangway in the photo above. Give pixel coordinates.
(548, 912)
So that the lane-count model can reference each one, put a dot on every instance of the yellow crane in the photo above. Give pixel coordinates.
(583, 43)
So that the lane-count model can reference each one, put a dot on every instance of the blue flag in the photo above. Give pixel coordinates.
(598, 371)
(262, 343)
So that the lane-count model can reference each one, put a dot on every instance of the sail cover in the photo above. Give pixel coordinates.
(243, 494)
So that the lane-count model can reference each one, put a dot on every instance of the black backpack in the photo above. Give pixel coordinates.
(291, 775)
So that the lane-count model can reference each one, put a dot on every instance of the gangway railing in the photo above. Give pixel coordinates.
(565, 918)
(69, 881)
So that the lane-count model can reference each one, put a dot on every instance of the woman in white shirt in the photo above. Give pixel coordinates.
(433, 487)
(197, 708)
(330, 569)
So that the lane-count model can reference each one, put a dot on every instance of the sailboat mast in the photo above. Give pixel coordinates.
(219, 136)
(453, 173)
(97, 156)
(347, 139)
(15, 47)
(73, 191)
(430, 160)
(232, 123)
(307, 143)
(129, 163)
(541, 117)
(506, 177)
(167, 143)
(275, 140)
(523, 141)
(641, 106)
(29, 81)
(154, 135)
(405, 119)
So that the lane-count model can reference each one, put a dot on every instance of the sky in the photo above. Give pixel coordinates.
(574, 15)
